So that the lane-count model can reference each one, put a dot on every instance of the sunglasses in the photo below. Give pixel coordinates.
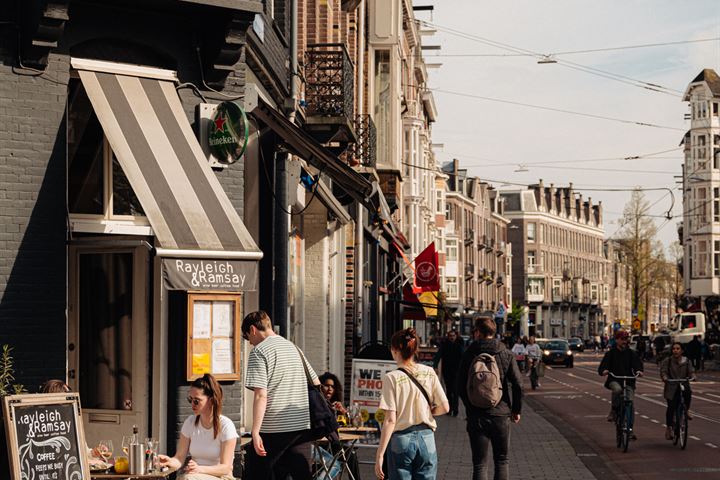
(194, 401)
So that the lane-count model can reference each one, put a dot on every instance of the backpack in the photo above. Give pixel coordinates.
(484, 386)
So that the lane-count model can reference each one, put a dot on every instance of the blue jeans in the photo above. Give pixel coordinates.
(412, 454)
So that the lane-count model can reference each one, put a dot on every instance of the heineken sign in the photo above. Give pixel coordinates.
(228, 133)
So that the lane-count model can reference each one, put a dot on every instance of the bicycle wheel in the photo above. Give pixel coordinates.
(682, 427)
(618, 429)
(626, 427)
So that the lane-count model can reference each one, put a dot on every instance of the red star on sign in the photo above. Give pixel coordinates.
(220, 123)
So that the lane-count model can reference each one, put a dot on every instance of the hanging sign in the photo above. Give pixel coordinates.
(228, 133)
(210, 275)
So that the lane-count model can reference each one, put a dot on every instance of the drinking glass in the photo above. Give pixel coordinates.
(126, 441)
(151, 461)
(105, 449)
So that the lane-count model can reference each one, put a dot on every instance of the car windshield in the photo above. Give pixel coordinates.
(556, 346)
(574, 341)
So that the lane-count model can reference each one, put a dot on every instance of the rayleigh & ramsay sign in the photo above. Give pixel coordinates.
(209, 275)
(367, 382)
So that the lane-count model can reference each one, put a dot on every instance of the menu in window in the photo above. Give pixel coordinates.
(201, 319)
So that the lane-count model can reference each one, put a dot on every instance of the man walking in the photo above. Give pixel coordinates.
(693, 350)
(486, 426)
(281, 416)
(448, 358)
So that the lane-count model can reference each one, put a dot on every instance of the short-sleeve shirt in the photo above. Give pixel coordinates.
(400, 394)
(275, 365)
(205, 449)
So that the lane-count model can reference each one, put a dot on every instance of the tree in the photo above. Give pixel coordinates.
(644, 253)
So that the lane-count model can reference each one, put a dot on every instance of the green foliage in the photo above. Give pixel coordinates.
(7, 374)
(515, 314)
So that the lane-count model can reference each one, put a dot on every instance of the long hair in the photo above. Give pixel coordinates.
(212, 389)
(338, 391)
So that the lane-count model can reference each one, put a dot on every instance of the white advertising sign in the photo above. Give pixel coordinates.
(367, 382)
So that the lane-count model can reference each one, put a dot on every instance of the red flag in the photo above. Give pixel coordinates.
(426, 270)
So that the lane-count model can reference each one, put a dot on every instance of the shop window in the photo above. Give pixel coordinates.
(214, 335)
(97, 185)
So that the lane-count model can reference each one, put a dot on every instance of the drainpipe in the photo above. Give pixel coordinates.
(359, 229)
(281, 222)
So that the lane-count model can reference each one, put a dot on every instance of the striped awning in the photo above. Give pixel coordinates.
(148, 130)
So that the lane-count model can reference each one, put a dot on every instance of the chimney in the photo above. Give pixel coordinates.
(599, 214)
(591, 213)
(579, 208)
(570, 200)
(552, 198)
(541, 196)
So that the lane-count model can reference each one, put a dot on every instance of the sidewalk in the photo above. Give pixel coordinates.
(538, 451)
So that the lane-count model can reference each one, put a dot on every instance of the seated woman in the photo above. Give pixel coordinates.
(332, 389)
(675, 367)
(208, 437)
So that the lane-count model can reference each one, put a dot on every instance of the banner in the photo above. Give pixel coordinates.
(426, 270)
(367, 382)
(429, 301)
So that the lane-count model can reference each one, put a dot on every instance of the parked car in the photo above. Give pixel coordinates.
(634, 339)
(557, 352)
(576, 344)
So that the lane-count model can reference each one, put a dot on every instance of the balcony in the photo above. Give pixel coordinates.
(490, 277)
(329, 95)
(364, 152)
(482, 241)
(469, 270)
(556, 297)
(500, 280)
(500, 249)
(469, 236)
(489, 244)
(534, 269)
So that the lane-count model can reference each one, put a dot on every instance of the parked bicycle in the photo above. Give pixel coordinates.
(624, 413)
(680, 423)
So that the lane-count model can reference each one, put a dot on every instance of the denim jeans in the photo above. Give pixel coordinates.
(485, 431)
(412, 454)
(617, 393)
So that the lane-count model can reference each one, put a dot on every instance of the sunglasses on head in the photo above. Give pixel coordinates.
(194, 401)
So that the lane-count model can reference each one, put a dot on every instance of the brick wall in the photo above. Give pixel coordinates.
(32, 217)
(316, 285)
(350, 313)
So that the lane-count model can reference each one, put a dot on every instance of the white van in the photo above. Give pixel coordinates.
(684, 326)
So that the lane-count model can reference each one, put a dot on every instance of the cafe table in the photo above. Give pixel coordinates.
(127, 476)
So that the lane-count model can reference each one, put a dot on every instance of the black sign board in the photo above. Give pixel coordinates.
(209, 274)
(45, 437)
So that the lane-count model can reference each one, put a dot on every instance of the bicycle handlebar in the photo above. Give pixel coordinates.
(634, 377)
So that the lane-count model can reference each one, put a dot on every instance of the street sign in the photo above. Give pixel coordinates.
(616, 326)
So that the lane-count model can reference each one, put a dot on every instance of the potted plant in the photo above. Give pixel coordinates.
(7, 387)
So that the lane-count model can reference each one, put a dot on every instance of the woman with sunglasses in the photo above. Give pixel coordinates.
(208, 437)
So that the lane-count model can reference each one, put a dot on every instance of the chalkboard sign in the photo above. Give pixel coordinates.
(45, 437)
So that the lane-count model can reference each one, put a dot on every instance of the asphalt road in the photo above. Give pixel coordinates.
(576, 397)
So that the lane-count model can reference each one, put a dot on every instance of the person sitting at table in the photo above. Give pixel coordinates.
(332, 389)
(208, 437)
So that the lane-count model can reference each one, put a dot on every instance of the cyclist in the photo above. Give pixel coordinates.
(623, 362)
(534, 357)
(675, 367)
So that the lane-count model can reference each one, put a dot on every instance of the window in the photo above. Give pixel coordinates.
(716, 259)
(716, 204)
(536, 286)
(97, 185)
(451, 287)
(530, 232)
(556, 288)
(702, 258)
(715, 109)
(452, 250)
(383, 105)
(439, 199)
(594, 292)
(531, 261)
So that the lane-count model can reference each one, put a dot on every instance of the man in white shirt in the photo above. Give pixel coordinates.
(281, 415)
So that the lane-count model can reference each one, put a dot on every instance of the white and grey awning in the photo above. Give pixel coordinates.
(154, 143)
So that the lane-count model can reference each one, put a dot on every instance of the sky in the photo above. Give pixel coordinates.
(492, 139)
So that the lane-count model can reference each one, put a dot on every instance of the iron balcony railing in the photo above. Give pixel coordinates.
(365, 150)
(329, 77)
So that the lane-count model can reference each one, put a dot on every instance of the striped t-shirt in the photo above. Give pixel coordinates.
(275, 365)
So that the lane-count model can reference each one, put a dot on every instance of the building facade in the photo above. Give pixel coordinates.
(700, 229)
(617, 301)
(559, 266)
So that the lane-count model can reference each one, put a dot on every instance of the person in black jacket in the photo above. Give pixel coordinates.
(448, 359)
(491, 425)
(623, 362)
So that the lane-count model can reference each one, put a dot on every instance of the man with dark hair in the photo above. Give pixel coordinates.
(486, 426)
(622, 362)
(281, 416)
(448, 359)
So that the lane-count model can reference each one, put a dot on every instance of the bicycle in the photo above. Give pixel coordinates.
(624, 414)
(680, 427)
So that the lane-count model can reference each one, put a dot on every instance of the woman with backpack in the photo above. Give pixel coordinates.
(411, 397)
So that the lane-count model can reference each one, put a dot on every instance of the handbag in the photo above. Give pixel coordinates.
(419, 386)
(323, 422)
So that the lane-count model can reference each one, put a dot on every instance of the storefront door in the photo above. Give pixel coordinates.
(109, 340)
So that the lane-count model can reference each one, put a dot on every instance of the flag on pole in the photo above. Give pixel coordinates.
(426, 270)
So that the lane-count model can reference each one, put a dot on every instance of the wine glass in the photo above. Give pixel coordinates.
(126, 441)
(105, 449)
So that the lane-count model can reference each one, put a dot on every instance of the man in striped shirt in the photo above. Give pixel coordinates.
(281, 417)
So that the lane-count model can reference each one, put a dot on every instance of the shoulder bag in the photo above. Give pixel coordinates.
(323, 422)
(419, 386)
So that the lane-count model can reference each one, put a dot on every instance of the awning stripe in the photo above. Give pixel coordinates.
(122, 150)
(186, 155)
(241, 231)
(162, 148)
(148, 130)
(144, 158)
